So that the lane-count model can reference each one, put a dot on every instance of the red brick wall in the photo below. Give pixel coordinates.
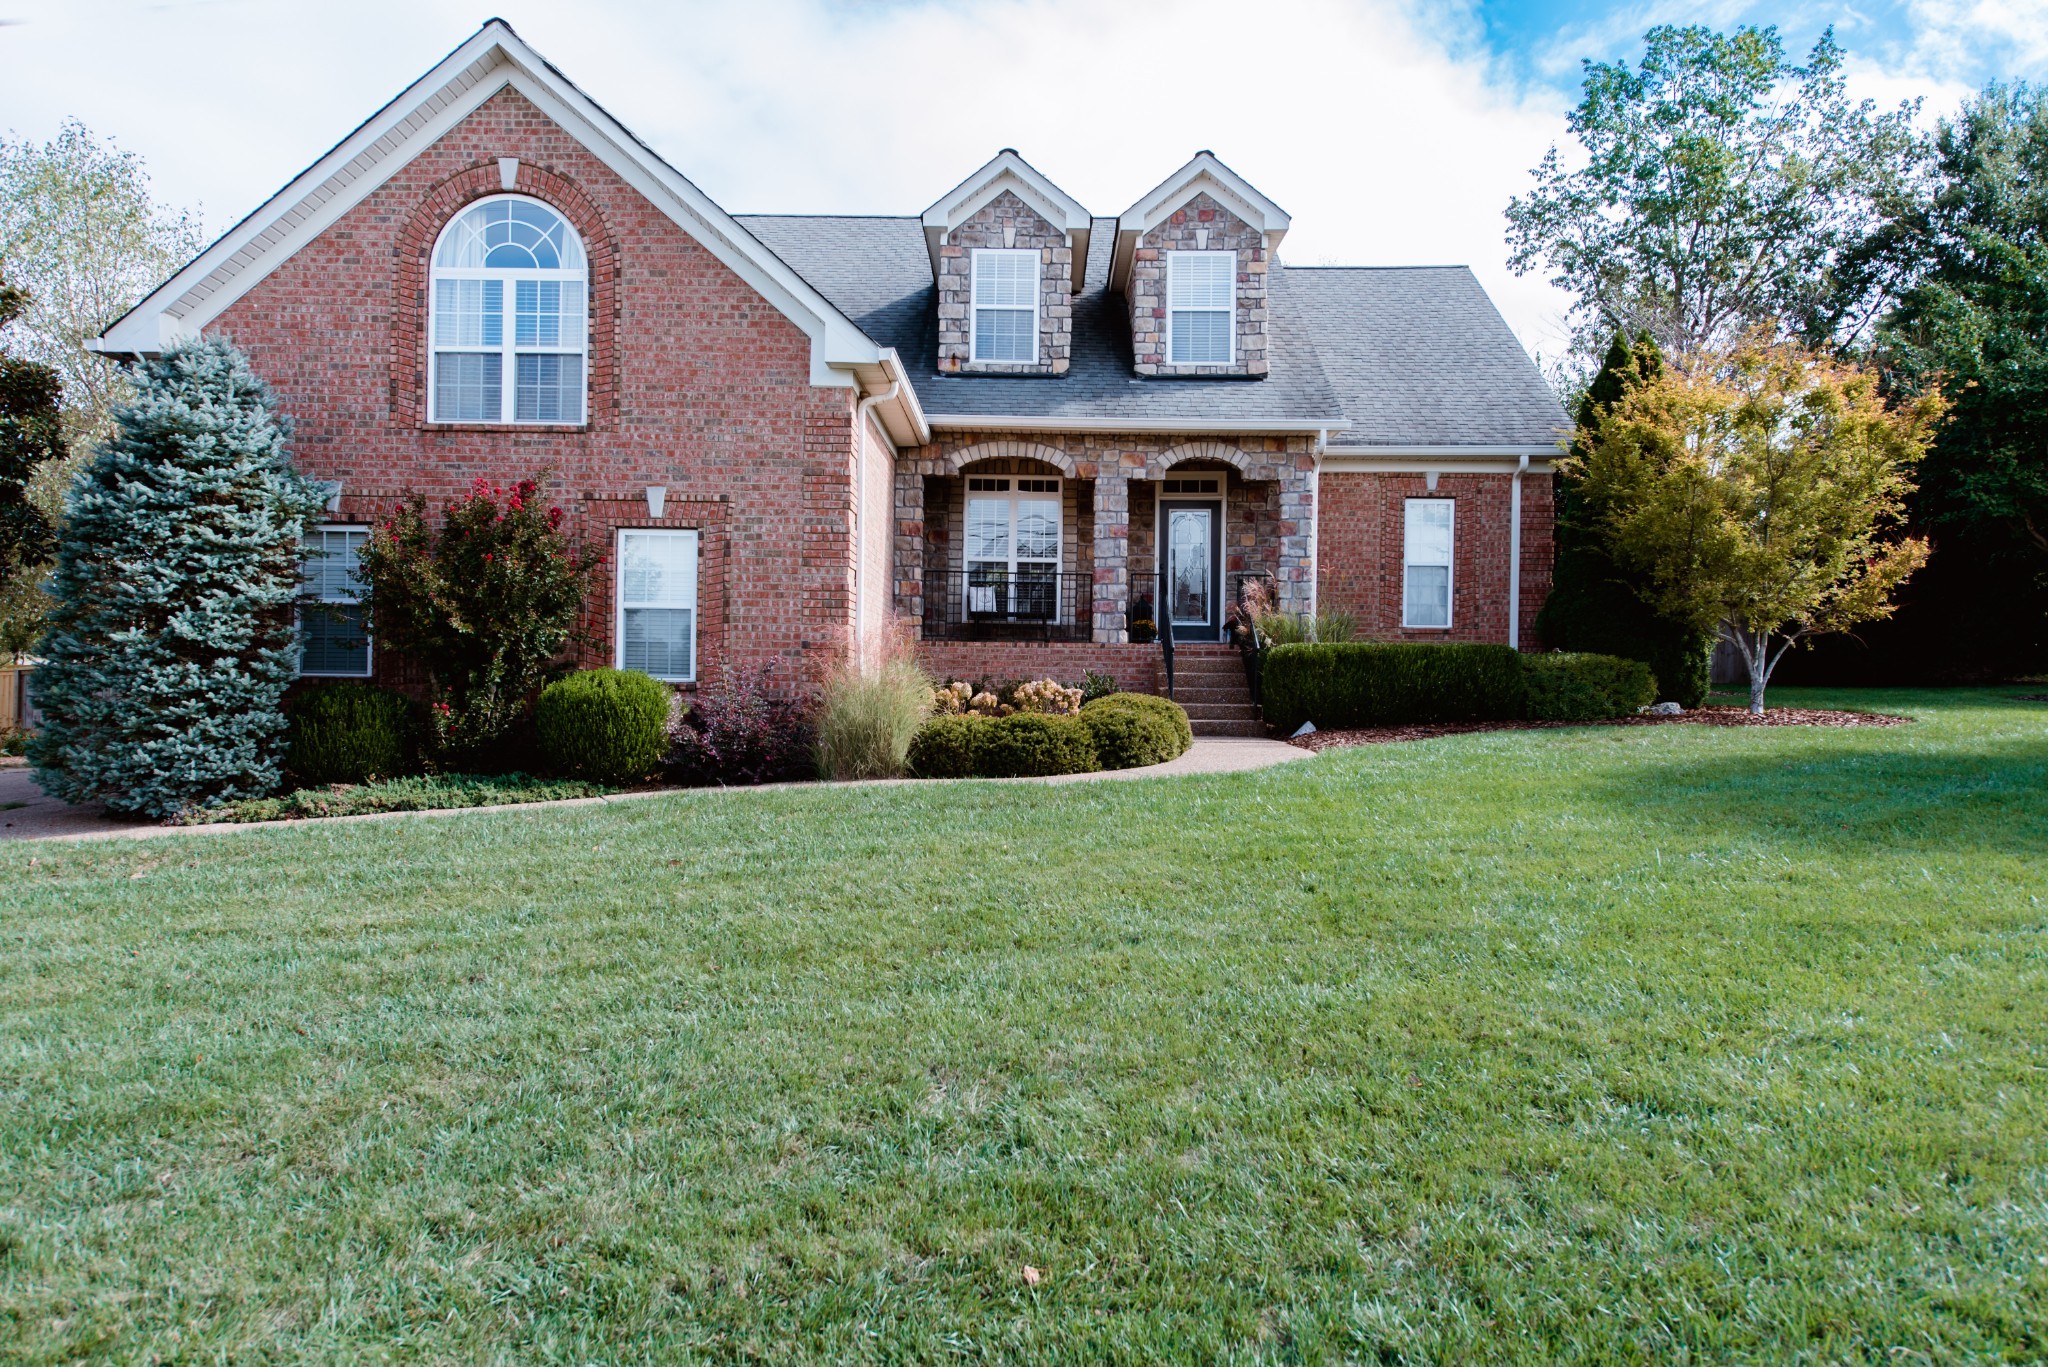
(696, 383)
(1134, 667)
(1360, 544)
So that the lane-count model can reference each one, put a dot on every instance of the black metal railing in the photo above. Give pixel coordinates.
(1253, 593)
(991, 603)
(1165, 619)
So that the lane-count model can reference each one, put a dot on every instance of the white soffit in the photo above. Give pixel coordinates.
(494, 59)
(1008, 171)
(1203, 174)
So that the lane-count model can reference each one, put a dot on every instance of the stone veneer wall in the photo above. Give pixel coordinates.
(1277, 473)
(1006, 221)
(1201, 225)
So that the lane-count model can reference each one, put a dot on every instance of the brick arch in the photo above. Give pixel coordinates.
(1010, 450)
(1158, 465)
(415, 245)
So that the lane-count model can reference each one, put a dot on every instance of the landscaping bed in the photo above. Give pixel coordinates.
(420, 793)
(1698, 716)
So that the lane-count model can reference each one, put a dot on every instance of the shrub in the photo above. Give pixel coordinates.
(1568, 687)
(1324, 628)
(349, 733)
(1357, 684)
(1096, 685)
(866, 722)
(485, 606)
(607, 725)
(1048, 696)
(171, 640)
(419, 793)
(1022, 745)
(739, 731)
(1132, 730)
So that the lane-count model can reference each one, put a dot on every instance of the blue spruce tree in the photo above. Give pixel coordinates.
(172, 640)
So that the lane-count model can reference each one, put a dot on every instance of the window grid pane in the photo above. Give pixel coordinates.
(1201, 337)
(1004, 335)
(657, 641)
(333, 640)
(1202, 280)
(1006, 279)
(469, 313)
(550, 389)
(468, 386)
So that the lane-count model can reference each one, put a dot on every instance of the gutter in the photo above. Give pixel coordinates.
(1515, 556)
(960, 422)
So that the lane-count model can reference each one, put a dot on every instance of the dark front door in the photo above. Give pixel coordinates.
(1193, 547)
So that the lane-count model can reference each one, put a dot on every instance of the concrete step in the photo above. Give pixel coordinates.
(1228, 728)
(1220, 711)
(1191, 693)
(1205, 669)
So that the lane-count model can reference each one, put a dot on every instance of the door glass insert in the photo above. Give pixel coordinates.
(1190, 571)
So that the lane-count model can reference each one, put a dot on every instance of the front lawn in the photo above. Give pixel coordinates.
(1657, 1043)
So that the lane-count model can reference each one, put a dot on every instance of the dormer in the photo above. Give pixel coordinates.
(1190, 261)
(1006, 246)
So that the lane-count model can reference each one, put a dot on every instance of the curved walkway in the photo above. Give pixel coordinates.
(27, 813)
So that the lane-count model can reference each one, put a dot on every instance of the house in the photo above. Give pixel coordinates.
(985, 426)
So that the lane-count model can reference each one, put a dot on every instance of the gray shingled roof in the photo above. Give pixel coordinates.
(1409, 357)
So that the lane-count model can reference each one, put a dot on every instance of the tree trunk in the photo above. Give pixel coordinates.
(1758, 677)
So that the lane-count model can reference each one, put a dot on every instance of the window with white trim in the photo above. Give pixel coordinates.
(1013, 547)
(1201, 308)
(1426, 577)
(334, 638)
(508, 317)
(656, 618)
(1005, 306)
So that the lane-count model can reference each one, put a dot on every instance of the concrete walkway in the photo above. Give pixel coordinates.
(26, 813)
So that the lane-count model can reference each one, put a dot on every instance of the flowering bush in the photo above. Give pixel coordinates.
(1048, 696)
(738, 731)
(485, 607)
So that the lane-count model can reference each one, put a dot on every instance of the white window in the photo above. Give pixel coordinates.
(1201, 308)
(1426, 594)
(333, 639)
(508, 317)
(1005, 307)
(1013, 548)
(656, 625)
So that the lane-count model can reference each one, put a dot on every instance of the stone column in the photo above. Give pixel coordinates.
(910, 547)
(1112, 556)
(1295, 567)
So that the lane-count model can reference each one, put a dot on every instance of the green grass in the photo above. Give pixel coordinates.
(1657, 1044)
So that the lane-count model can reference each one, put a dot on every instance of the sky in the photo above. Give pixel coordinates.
(1393, 131)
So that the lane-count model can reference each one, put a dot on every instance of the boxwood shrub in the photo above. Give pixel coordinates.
(1027, 744)
(1132, 730)
(349, 733)
(605, 725)
(1580, 687)
(1391, 684)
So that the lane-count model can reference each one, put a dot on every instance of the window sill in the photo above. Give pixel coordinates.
(504, 427)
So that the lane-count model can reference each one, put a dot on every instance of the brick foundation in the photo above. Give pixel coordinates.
(1134, 667)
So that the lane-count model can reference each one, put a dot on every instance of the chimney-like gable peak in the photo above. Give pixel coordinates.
(1007, 248)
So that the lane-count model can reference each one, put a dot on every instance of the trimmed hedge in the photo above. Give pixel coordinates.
(1581, 687)
(605, 725)
(1390, 684)
(1132, 730)
(1026, 744)
(349, 733)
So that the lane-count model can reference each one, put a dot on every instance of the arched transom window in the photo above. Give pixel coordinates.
(509, 318)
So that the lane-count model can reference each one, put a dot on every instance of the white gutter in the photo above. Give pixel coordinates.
(1315, 526)
(860, 497)
(958, 422)
(1515, 557)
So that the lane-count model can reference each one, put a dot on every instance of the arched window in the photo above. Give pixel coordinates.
(508, 255)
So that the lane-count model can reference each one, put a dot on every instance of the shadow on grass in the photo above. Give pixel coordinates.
(1989, 795)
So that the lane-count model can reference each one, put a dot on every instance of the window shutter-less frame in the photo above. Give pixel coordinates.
(654, 626)
(334, 639)
(1201, 308)
(1005, 288)
(1427, 555)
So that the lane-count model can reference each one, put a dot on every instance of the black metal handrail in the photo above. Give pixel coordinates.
(991, 603)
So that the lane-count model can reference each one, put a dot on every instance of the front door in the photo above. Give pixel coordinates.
(1194, 569)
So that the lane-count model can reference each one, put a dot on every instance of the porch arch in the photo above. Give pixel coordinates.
(1158, 465)
(1010, 450)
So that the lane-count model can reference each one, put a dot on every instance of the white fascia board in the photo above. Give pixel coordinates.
(1006, 171)
(1422, 459)
(953, 422)
(1203, 174)
(245, 258)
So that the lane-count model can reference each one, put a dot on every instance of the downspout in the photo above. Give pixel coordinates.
(860, 498)
(1515, 557)
(1315, 525)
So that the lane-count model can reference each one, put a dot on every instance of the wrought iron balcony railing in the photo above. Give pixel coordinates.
(994, 603)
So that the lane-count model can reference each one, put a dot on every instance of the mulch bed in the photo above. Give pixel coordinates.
(1699, 716)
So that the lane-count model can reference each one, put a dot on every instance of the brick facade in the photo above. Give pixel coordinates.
(1362, 543)
(1201, 225)
(1006, 222)
(696, 383)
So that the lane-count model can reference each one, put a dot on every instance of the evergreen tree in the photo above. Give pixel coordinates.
(172, 640)
(1592, 606)
(31, 432)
